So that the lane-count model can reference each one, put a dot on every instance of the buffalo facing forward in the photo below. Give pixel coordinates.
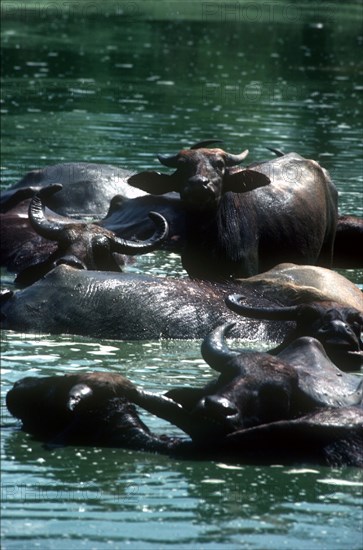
(243, 221)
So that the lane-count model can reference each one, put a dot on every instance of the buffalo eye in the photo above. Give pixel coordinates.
(182, 161)
(219, 165)
(274, 402)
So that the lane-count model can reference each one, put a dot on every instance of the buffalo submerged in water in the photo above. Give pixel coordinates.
(220, 214)
(241, 221)
(291, 406)
(82, 245)
(127, 306)
(296, 407)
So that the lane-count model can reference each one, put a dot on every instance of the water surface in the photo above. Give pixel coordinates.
(117, 82)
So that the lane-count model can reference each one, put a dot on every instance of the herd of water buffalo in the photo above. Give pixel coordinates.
(260, 244)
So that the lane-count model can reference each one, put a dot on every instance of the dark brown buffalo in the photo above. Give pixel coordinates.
(338, 328)
(21, 245)
(299, 397)
(262, 409)
(83, 409)
(79, 244)
(242, 221)
(255, 388)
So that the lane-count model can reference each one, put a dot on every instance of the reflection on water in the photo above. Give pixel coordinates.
(102, 89)
(94, 496)
(117, 82)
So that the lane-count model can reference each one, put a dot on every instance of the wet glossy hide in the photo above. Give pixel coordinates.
(85, 409)
(126, 307)
(244, 221)
(87, 188)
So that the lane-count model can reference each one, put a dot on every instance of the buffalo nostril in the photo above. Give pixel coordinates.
(335, 327)
(199, 180)
(220, 405)
(198, 190)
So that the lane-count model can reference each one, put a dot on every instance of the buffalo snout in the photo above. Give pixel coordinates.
(339, 333)
(215, 415)
(219, 407)
(200, 191)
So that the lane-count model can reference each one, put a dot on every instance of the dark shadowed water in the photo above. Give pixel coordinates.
(117, 82)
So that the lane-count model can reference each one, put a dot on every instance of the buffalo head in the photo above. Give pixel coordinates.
(338, 328)
(46, 404)
(80, 244)
(253, 388)
(86, 409)
(201, 176)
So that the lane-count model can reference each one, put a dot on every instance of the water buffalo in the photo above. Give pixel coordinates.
(81, 245)
(338, 326)
(255, 388)
(129, 306)
(21, 244)
(84, 409)
(87, 188)
(98, 409)
(125, 306)
(299, 393)
(339, 329)
(243, 221)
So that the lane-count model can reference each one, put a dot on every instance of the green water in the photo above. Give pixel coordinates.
(118, 82)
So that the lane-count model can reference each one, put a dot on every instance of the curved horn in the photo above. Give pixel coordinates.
(215, 351)
(170, 162)
(286, 313)
(49, 229)
(277, 152)
(124, 246)
(206, 143)
(11, 198)
(233, 160)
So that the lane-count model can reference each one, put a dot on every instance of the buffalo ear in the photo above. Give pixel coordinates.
(244, 180)
(153, 182)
